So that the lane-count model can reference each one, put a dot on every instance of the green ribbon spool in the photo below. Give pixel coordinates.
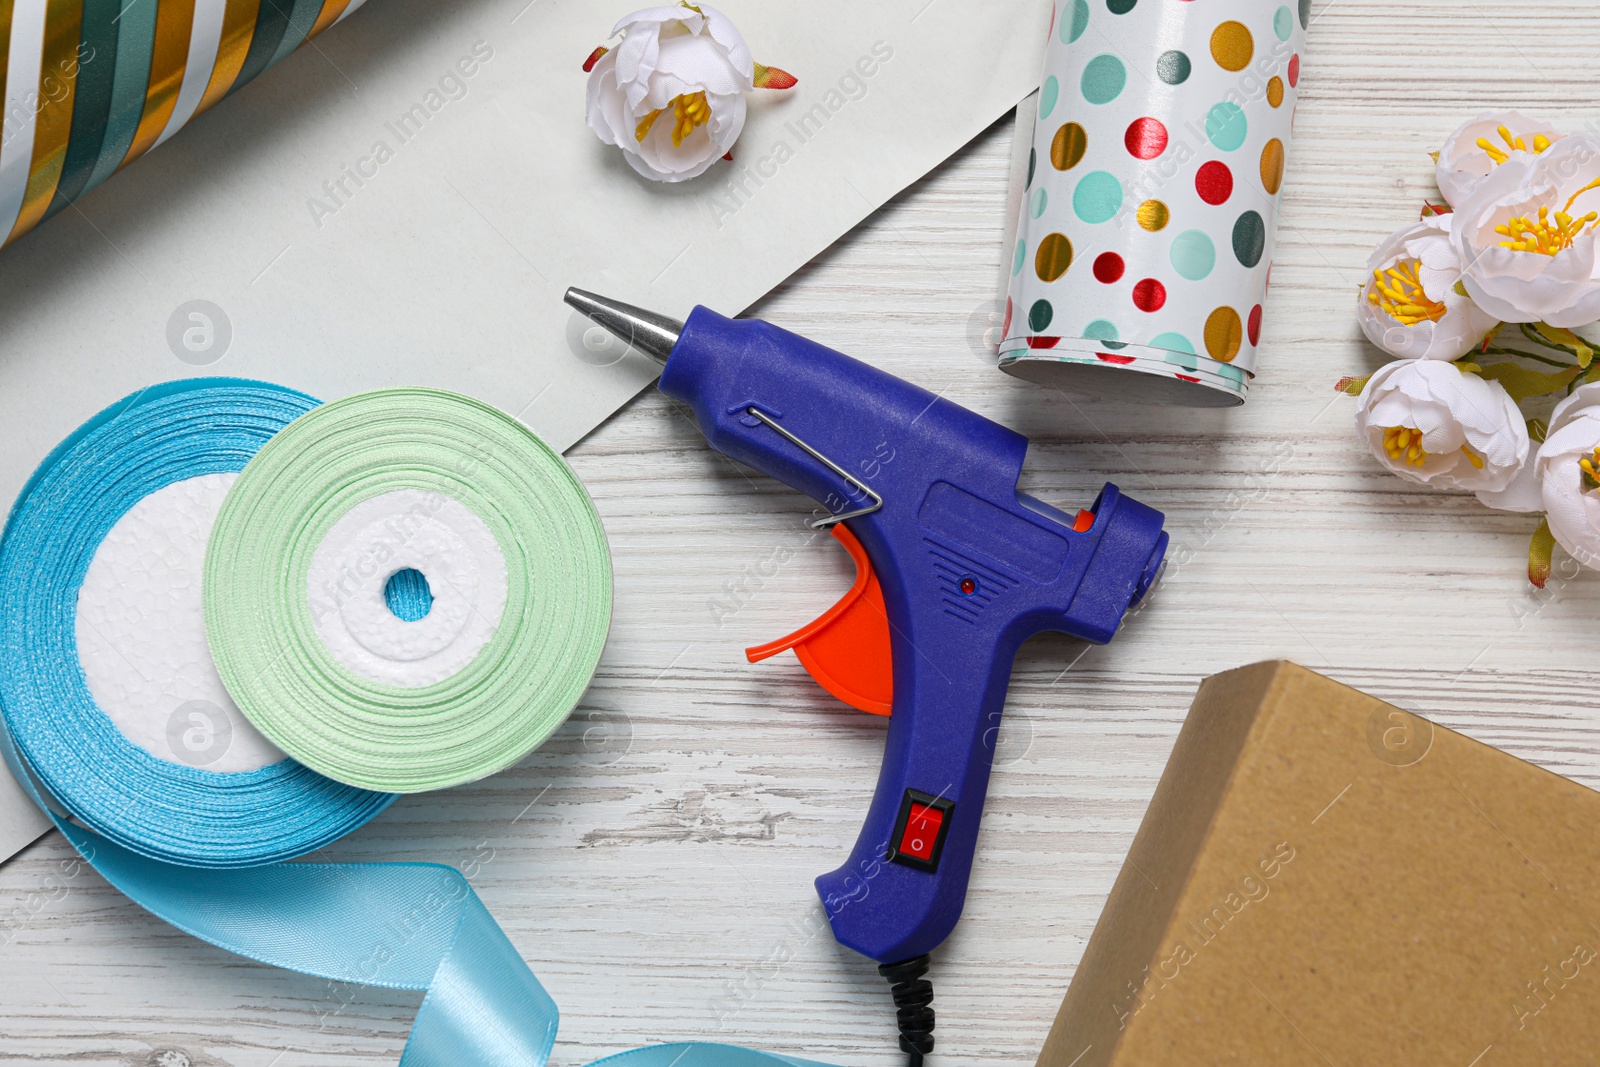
(312, 573)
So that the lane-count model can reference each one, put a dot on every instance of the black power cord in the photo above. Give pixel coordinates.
(913, 1000)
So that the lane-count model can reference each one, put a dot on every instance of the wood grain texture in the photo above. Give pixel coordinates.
(654, 862)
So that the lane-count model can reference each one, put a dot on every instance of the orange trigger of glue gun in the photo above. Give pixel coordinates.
(846, 648)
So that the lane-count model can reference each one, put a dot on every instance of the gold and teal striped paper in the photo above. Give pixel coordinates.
(92, 85)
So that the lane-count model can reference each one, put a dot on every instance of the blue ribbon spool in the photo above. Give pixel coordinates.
(164, 810)
(198, 848)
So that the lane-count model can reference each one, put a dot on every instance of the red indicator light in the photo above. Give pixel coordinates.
(969, 586)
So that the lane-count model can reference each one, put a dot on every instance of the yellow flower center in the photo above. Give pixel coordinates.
(689, 112)
(1548, 234)
(1499, 155)
(1404, 445)
(1397, 292)
(1591, 468)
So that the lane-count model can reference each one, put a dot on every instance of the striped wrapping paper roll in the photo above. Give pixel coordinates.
(91, 85)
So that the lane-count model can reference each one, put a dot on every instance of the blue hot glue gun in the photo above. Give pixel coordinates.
(956, 569)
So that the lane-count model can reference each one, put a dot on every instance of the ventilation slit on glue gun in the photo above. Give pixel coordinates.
(913, 1001)
(855, 483)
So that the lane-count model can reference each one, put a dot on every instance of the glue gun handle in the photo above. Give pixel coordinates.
(901, 892)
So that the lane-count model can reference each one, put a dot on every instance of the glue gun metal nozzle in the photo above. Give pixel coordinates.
(650, 333)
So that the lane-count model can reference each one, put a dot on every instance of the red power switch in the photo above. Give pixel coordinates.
(920, 830)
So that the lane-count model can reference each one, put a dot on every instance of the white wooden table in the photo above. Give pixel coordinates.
(654, 862)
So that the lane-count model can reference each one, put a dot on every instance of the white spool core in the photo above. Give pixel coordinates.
(142, 637)
(424, 531)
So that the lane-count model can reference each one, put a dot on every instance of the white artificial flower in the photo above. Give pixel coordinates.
(671, 95)
(1522, 492)
(1411, 305)
(1429, 422)
(1480, 145)
(1526, 236)
(1572, 508)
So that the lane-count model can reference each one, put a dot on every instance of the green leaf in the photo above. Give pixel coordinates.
(1567, 341)
(1538, 429)
(1540, 550)
(1353, 386)
(1522, 383)
(1552, 337)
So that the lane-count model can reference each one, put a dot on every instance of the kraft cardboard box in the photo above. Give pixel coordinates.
(1324, 880)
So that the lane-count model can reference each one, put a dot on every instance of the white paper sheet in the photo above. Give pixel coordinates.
(404, 201)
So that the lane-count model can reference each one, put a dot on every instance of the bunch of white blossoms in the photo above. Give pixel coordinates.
(671, 95)
(1467, 299)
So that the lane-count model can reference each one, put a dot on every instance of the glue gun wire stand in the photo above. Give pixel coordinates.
(955, 570)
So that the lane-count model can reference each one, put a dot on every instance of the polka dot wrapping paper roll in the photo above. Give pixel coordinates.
(1143, 248)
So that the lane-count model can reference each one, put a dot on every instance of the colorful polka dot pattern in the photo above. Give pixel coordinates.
(1109, 267)
(1068, 145)
(1165, 124)
(1053, 259)
(1103, 79)
(1049, 92)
